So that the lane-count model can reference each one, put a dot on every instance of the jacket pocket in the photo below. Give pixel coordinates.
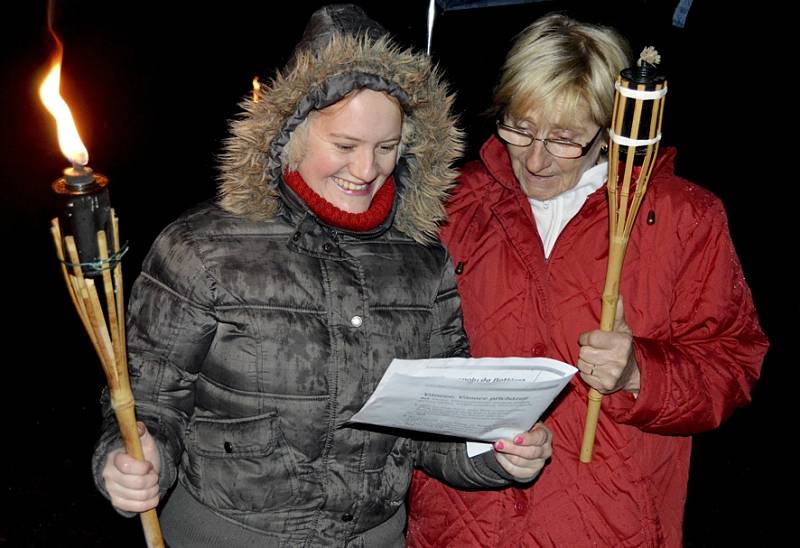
(386, 485)
(241, 464)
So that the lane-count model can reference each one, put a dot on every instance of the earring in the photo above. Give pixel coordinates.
(604, 149)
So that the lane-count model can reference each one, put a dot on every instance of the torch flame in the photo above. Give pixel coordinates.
(68, 139)
(256, 89)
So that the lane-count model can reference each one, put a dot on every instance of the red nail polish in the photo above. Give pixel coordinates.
(498, 445)
(518, 440)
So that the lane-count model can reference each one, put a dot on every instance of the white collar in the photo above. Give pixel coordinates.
(553, 215)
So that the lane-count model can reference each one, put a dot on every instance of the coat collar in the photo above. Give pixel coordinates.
(495, 157)
(512, 210)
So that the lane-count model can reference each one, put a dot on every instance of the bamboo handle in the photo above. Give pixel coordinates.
(121, 396)
(124, 410)
(616, 254)
(596, 398)
(152, 529)
(589, 431)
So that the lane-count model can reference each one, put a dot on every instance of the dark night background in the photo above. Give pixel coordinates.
(152, 84)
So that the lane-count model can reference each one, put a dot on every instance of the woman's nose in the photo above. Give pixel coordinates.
(538, 158)
(363, 166)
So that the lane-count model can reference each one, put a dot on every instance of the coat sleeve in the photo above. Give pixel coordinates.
(693, 381)
(448, 462)
(170, 327)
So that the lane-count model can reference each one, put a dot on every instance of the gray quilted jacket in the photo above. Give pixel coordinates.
(256, 331)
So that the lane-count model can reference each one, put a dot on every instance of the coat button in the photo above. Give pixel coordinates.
(296, 236)
(356, 321)
(347, 517)
(327, 248)
(520, 506)
(228, 447)
(538, 349)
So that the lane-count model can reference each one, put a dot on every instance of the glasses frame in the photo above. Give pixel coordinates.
(584, 148)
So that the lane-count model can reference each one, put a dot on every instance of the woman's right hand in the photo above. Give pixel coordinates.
(133, 484)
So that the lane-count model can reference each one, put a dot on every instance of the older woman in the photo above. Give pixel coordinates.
(260, 324)
(528, 231)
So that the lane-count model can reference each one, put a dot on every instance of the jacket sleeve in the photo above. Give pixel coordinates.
(448, 462)
(693, 381)
(170, 327)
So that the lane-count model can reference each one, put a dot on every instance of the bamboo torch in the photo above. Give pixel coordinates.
(633, 145)
(90, 263)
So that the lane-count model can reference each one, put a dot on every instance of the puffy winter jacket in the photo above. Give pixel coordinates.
(256, 331)
(696, 339)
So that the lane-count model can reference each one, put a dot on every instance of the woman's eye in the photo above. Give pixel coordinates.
(565, 139)
(388, 148)
(345, 147)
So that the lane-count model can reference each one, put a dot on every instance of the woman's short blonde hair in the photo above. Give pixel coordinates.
(562, 67)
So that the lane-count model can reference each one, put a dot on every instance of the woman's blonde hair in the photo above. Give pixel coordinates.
(562, 67)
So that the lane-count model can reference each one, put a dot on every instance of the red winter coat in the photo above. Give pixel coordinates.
(696, 339)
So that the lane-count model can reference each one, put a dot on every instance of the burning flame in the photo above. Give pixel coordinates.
(256, 89)
(68, 139)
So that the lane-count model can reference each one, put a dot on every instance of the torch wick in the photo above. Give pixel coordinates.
(78, 176)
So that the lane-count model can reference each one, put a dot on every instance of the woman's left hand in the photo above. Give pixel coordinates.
(606, 360)
(525, 455)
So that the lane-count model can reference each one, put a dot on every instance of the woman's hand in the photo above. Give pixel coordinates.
(606, 361)
(133, 484)
(525, 455)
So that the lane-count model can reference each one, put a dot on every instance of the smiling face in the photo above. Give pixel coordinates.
(352, 148)
(541, 175)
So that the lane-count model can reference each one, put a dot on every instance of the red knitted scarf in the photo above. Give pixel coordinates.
(331, 215)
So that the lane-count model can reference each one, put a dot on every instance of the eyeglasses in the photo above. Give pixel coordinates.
(560, 148)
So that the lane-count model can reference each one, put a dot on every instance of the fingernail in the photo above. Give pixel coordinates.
(499, 445)
(518, 440)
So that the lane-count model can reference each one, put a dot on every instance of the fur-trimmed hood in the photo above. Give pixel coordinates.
(317, 76)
